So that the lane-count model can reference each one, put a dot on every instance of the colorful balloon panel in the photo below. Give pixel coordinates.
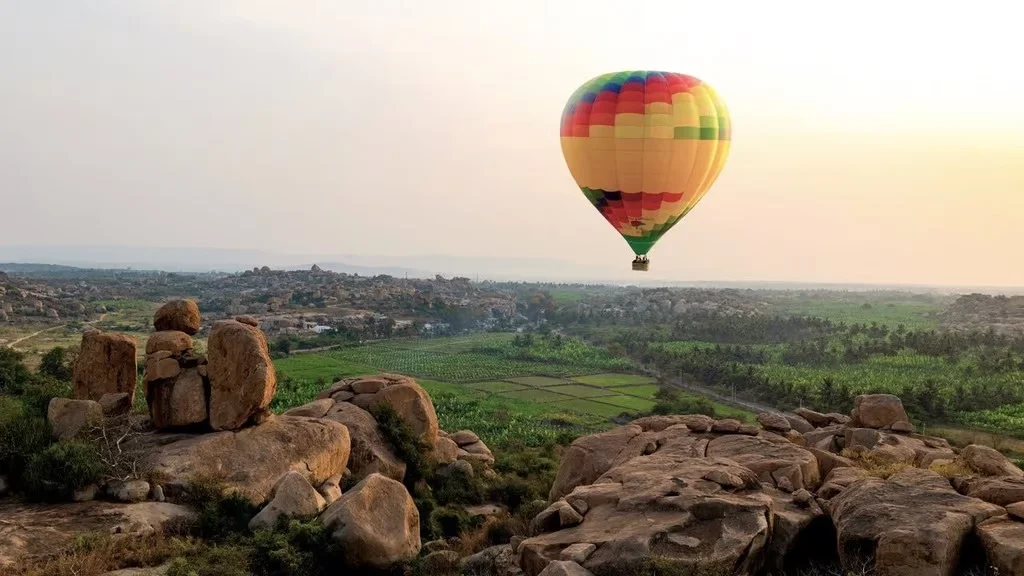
(644, 147)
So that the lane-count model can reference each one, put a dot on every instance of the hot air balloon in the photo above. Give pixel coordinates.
(644, 147)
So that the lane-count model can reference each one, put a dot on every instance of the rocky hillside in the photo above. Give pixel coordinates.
(1004, 314)
(361, 465)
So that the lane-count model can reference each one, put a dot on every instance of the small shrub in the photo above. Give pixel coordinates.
(22, 436)
(513, 491)
(295, 548)
(40, 391)
(878, 467)
(404, 442)
(455, 486)
(55, 473)
(448, 522)
(221, 514)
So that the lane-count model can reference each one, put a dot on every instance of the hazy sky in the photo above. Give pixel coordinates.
(883, 142)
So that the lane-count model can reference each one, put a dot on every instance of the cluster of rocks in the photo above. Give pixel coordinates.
(226, 389)
(711, 497)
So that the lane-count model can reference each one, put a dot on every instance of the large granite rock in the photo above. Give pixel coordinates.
(107, 364)
(241, 374)
(251, 460)
(180, 315)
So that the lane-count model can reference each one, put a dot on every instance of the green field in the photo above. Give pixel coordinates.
(865, 310)
(485, 383)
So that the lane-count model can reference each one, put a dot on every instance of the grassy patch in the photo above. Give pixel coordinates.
(590, 407)
(628, 402)
(496, 387)
(539, 381)
(613, 380)
(580, 391)
(534, 395)
(642, 390)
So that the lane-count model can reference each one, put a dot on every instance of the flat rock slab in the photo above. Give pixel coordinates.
(34, 530)
(253, 459)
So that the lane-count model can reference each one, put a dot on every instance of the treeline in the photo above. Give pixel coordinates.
(731, 351)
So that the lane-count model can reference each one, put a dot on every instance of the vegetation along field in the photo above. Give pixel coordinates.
(821, 351)
(525, 387)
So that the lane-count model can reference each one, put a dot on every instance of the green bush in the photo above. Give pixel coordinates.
(513, 491)
(22, 436)
(405, 443)
(295, 548)
(38, 393)
(456, 486)
(14, 376)
(448, 522)
(55, 473)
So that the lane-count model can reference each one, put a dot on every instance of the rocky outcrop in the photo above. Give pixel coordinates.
(179, 315)
(241, 374)
(588, 457)
(663, 505)
(251, 460)
(877, 411)
(989, 462)
(176, 391)
(69, 418)
(293, 497)
(912, 524)
(106, 365)
(1003, 540)
(371, 452)
(375, 524)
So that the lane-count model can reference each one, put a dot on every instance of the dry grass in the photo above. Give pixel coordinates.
(93, 555)
(878, 467)
(952, 469)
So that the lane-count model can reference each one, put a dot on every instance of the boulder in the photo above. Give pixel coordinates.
(839, 479)
(816, 419)
(494, 561)
(877, 411)
(251, 460)
(1016, 510)
(800, 531)
(69, 418)
(180, 315)
(161, 366)
(131, 491)
(903, 427)
(173, 341)
(864, 437)
(369, 385)
(314, 409)
(178, 402)
(241, 374)
(588, 457)
(375, 524)
(250, 320)
(660, 505)
(441, 562)
(565, 568)
(770, 461)
(116, 404)
(578, 553)
(371, 452)
(799, 424)
(1001, 491)
(774, 421)
(294, 497)
(989, 461)
(106, 365)
(330, 489)
(1003, 540)
(726, 426)
(907, 526)
(465, 437)
(445, 451)
(827, 461)
(413, 404)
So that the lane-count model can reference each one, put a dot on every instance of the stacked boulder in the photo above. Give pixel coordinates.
(706, 496)
(226, 389)
(106, 371)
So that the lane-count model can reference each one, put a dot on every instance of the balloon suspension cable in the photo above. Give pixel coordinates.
(640, 263)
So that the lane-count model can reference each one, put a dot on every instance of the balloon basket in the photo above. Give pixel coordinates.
(640, 265)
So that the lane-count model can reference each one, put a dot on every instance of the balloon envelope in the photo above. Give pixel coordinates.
(644, 147)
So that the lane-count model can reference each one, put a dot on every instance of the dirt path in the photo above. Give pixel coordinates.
(13, 343)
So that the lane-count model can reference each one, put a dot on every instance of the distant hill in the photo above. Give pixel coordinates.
(34, 269)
